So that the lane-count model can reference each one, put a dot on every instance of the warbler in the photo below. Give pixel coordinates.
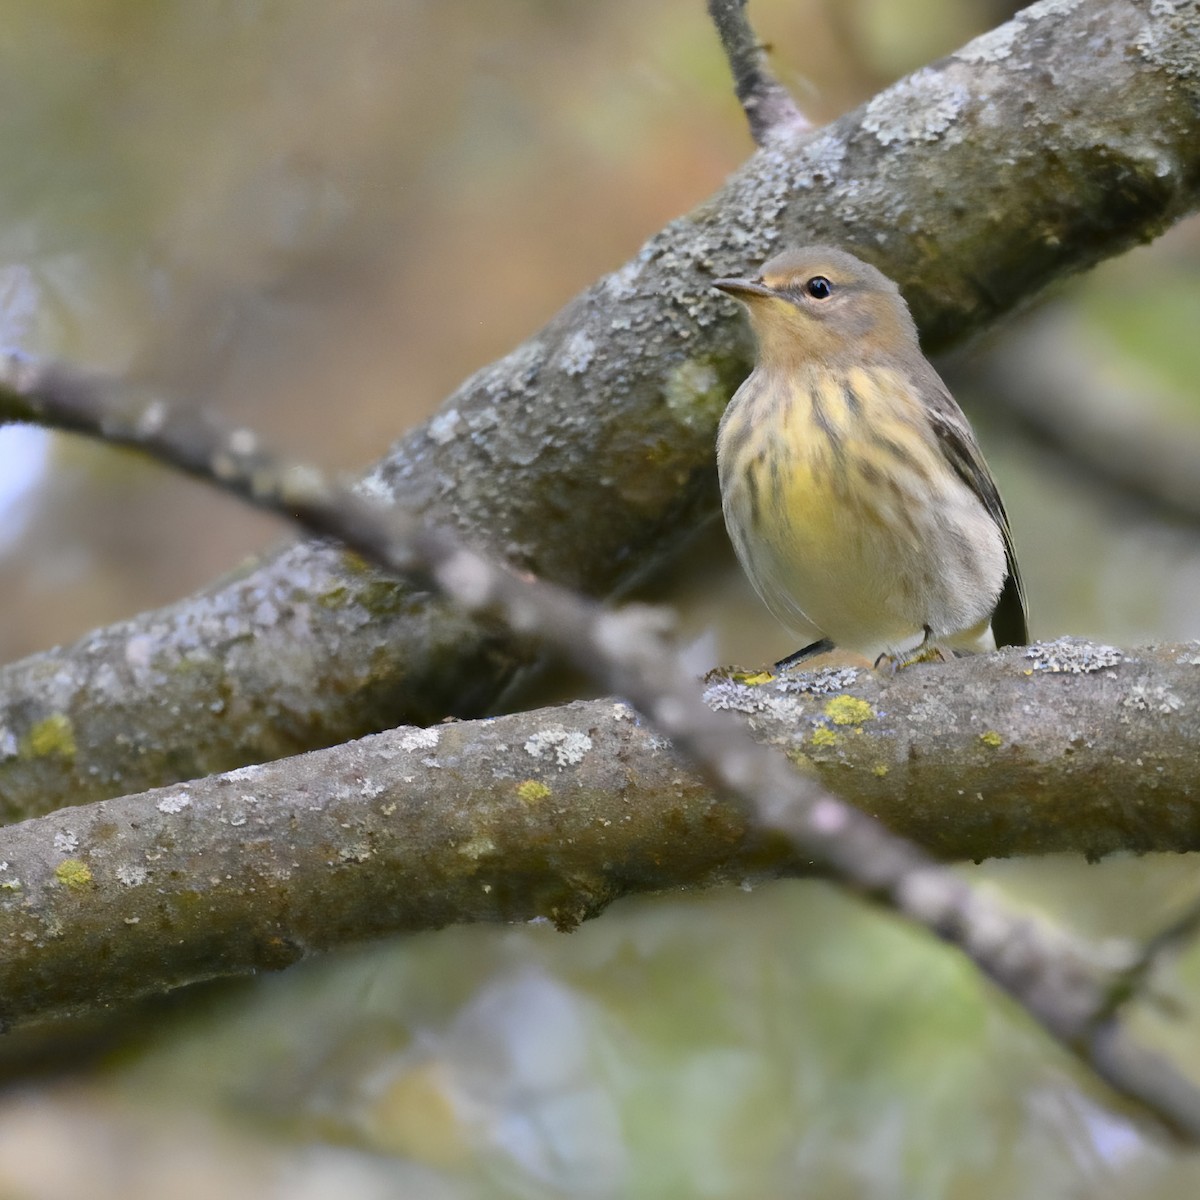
(854, 491)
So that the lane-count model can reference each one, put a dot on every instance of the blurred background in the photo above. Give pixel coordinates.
(319, 219)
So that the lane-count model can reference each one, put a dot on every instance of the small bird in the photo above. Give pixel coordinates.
(854, 491)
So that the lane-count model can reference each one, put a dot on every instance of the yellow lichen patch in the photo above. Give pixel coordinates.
(848, 710)
(824, 736)
(751, 678)
(880, 770)
(532, 790)
(991, 738)
(73, 873)
(354, 563)
(54, 735)
(335, 598)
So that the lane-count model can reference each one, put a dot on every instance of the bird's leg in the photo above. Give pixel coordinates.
(754, 678)
(803, 655)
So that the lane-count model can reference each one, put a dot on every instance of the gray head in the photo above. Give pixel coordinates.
(819, 302)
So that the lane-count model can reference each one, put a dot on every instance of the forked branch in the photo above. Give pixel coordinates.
(768, 105)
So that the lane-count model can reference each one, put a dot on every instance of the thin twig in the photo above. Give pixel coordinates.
(1133, 979)
(768, 105)
(1062, 987)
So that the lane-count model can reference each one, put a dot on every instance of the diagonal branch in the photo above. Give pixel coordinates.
(1062, 986)
(768, 105)
(1171, 939)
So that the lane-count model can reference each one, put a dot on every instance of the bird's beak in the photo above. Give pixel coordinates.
(742, 289)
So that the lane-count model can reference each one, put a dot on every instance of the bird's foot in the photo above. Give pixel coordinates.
(889, 664)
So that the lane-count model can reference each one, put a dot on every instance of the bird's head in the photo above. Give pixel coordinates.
(821, 303)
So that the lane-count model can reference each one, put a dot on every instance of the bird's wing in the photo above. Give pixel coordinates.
(1010, 622)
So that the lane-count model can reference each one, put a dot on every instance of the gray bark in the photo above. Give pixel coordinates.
(1064, 136)
(555, 813)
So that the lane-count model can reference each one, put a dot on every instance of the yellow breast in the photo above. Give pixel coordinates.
(831, 486)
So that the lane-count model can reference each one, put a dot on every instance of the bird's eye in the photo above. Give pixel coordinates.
(819, 288)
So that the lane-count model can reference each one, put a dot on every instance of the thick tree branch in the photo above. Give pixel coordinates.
(556, 813)
(768, 105)
(1064, 136)
(1063, 987)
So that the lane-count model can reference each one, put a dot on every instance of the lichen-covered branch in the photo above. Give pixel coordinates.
(536, 815)
(556, 813)
(769, 107)
(1064, 136)
(1067, 991)
(1062, 747)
